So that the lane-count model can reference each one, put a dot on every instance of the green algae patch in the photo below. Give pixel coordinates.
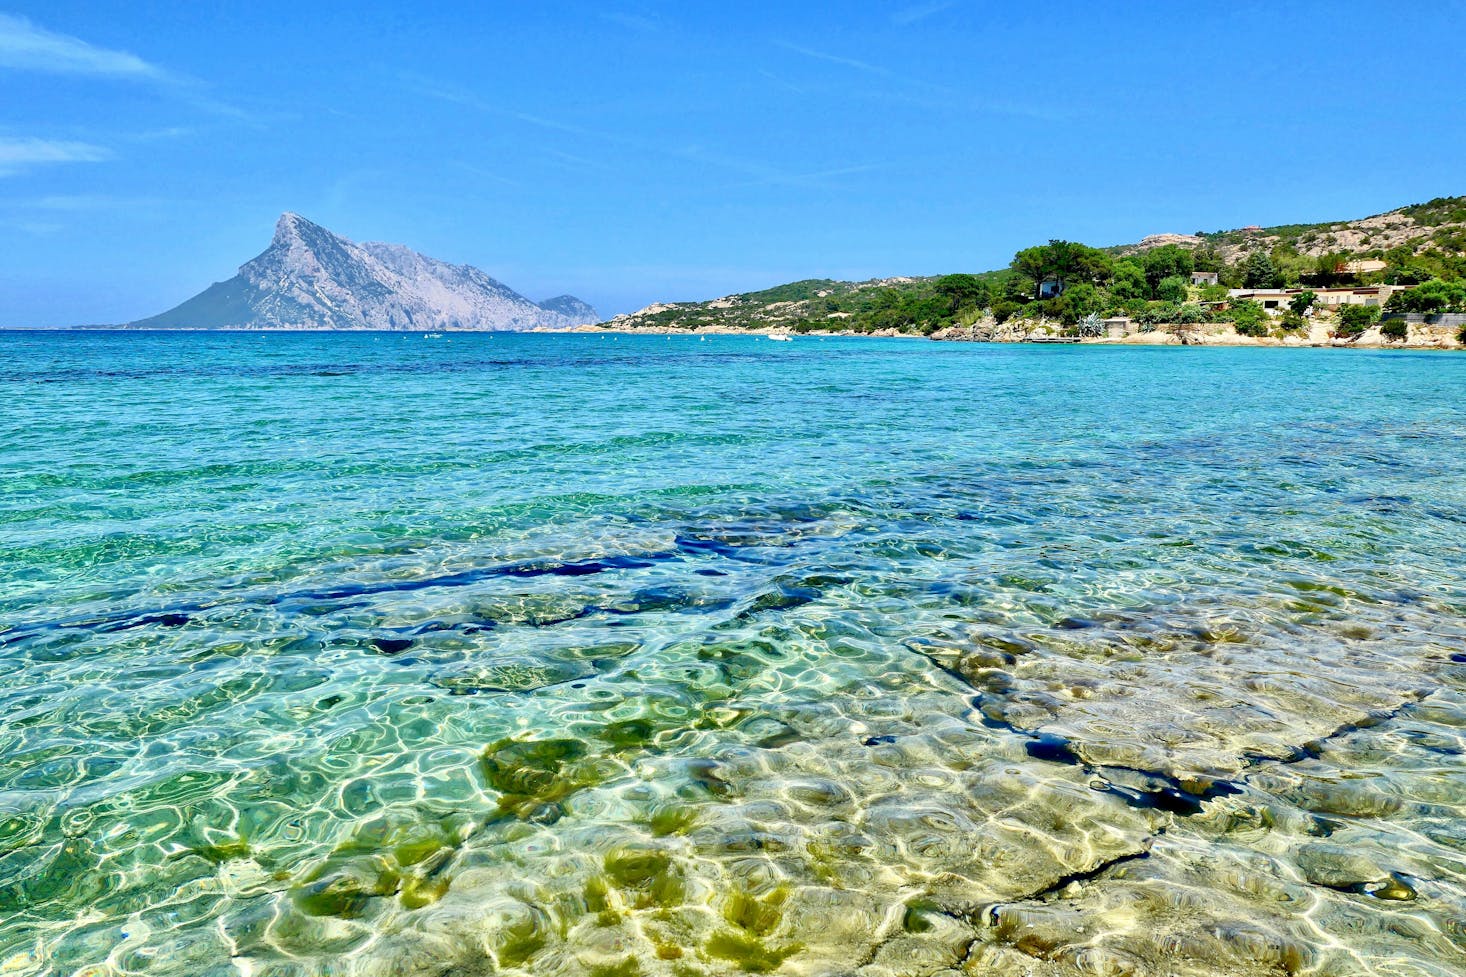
(672, 819)
(530, 767)
(636, 867)
(751, 920)
(379, 860)
(217, 853)
(419, 893)
(422, 843)
(343, 889)
(519, 940)
(757, 915)
(918, 915)
(597, 894)
(749, 953)
(649, 875)
(630, 733)
(533, 777)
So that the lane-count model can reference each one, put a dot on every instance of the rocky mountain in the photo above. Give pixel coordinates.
(309, 278)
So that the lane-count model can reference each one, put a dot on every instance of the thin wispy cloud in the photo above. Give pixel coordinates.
(839, 59)
(38, 228)
(458, 96)
(894, 80)
(21, 154)
(574, 162)
(906, 90)
(54, 213)
(784, 83)
(764, 175)
(78, 203)
(920, 12)
(760, 173)
(636, 22)
(159, 135)
(29, 47)
(818, 180)
(483, 174)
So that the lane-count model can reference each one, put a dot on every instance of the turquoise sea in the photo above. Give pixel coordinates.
(377, 654)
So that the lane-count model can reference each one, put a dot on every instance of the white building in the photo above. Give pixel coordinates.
(1277, 299)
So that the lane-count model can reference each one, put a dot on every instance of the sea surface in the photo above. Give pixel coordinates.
(379, 654)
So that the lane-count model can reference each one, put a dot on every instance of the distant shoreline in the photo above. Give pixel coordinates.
(1371, 340)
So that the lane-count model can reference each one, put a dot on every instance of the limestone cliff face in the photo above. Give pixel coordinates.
(309, 278)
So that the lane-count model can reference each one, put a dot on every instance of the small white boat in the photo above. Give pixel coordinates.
(432, 335)
(780, 337)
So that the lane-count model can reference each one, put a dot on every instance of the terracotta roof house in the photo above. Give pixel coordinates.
(1365, 265)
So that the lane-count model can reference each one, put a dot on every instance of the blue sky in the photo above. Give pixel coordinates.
(636, 152)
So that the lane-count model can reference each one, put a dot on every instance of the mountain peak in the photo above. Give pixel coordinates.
(310, 278)
(291, 226)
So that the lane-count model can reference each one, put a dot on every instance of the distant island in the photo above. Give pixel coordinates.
(1394, 279)
(310, 278)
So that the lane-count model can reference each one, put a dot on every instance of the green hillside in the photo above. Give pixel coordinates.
(1148, 280)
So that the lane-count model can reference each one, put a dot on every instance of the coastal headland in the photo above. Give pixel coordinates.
(1392, 281)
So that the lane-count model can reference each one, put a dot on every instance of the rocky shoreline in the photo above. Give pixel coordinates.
(1316, 335)
(1419, 337)
(625, 330)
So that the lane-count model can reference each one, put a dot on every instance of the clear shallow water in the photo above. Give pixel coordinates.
(371, 654)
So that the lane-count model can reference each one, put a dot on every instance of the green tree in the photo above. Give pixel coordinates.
(1066, 261)
(1330, 268)
(1207, 258)
(1005, 309)
(1407, 271)
(1171, 289)
(1258, 271)
(1303, 301)
(1248, 317)
(963, 292)
(1018, 288)
(1290, 266)
(1128, 282)
(1230, 276)
(1166, 261)
(1430, 297)
(1078, 301)
(1355, 319)
(1155, 313)
(1191, 314)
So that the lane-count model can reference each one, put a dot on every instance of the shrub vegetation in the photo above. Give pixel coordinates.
(1356, 319)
